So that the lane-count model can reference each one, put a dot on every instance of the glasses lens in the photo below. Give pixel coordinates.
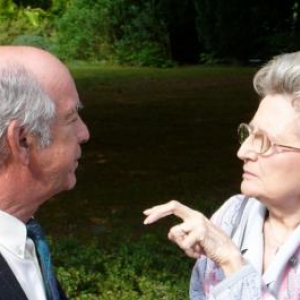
(260, 141)
(265, 143)
(243, 132)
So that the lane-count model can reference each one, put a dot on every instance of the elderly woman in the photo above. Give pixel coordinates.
(250, 249)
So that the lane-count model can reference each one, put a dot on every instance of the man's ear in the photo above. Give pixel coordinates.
(17, 142)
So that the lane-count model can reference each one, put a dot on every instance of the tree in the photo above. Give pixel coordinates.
(180, 19)
(125, 31)
(247, 29)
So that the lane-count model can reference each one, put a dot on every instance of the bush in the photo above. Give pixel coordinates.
(146, 269)
(25, 27)
(80, 32)
(117, 31)
(32, 40)
(114, 31)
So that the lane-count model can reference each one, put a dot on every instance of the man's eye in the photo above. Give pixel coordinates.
(73, 119)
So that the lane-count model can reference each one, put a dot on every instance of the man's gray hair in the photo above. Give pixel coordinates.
(22, 98)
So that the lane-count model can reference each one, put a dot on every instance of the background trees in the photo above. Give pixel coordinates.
(244, 30)
(153, 32)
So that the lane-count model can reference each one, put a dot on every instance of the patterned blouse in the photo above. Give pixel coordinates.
(244, 223)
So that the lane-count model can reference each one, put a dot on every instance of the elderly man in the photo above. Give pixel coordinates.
(40, 138)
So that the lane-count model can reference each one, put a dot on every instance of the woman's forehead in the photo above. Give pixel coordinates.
(276, 109)
(276, 114)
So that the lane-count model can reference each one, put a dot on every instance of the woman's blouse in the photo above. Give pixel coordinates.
(281, 281)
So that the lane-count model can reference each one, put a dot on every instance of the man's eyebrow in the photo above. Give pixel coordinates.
(79, 106)
(74, 110)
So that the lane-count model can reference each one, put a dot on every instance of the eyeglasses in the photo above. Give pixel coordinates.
(261, 143)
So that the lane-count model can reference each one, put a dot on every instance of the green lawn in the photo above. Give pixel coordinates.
(156, 134)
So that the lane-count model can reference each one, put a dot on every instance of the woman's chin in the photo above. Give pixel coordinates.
(248, 191)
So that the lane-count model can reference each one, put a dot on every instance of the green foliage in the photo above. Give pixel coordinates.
(44, 4)
(145, 269)
(240, 30)
(80, 33)
(32, 40)
(208, 59)
(143, 35)
(26, 26)
(153, 32)
(118, 31)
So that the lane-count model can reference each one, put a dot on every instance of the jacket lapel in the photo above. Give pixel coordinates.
(9, 285)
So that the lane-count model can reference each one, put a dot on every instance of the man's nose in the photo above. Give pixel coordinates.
(84, 134)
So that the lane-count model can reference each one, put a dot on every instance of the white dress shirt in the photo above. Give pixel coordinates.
(19, 252)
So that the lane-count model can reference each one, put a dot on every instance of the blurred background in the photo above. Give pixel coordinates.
(154, 32)
(165, 84)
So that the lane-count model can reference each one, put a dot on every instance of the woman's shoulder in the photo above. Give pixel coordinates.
(233, 209)
(237, 202)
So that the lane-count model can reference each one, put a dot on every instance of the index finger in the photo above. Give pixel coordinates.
(171, 208)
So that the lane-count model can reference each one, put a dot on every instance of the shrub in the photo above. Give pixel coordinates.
(145, 269)
(27, 26)
(117, 31)
(32, 40)
(80, 33)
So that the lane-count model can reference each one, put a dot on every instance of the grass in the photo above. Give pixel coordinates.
(156, 134)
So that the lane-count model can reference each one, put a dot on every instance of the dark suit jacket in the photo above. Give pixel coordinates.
(10, 288)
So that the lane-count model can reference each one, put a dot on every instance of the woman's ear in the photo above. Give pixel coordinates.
(17, 142)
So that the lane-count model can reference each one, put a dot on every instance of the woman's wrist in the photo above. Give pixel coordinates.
(236, 262)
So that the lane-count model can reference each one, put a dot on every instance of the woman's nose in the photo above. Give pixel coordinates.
(246, 150)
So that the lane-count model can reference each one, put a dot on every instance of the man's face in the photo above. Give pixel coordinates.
(56, 164)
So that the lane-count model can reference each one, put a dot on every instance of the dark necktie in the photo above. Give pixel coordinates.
(35, 232)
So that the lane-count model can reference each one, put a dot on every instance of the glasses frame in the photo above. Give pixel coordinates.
(270, 142)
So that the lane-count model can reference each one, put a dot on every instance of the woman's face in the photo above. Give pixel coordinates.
(273, 177)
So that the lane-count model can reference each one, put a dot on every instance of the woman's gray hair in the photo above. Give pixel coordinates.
(22, 98)
(281, 75)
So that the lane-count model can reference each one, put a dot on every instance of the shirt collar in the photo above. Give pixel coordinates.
(13, 234)
(252, 245)
(284, 257)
